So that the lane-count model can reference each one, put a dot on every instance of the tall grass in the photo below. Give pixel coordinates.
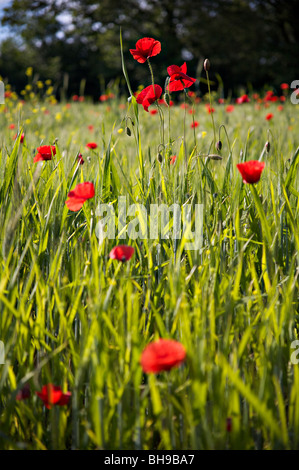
(72, 316)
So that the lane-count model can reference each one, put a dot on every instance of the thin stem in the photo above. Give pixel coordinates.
(222, 125)
(157, 104)
(210, 99)
(185, 151)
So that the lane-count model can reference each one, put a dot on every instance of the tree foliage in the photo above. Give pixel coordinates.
(248, 43)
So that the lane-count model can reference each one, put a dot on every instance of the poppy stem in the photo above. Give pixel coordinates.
(158, 106)
(152, 75)
(222, 125)
(184, 130)
(211, 111)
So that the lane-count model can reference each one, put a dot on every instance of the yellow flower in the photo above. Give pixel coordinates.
(39, 84)
(29, 71)
(27, 121)
(58, 116)
(120, 131)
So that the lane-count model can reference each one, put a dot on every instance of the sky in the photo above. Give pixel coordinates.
(3, 31)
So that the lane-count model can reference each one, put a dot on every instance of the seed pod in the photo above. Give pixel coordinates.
(159, 157)
(128, 131)
(219, 145)
(166, 98)
(206, 65)
(214, 156)
(267, 145)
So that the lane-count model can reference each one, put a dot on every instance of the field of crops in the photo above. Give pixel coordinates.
(77, 317)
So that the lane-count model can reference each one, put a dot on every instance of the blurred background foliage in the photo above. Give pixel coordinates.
(250, 44)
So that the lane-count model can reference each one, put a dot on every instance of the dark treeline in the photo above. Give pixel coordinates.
(250, 44)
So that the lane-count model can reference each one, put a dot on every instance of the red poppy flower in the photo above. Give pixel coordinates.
(92, 145)
(122, 252)
(229, 108)
(251, 171)
(145, 48)
(209, 109)
(75, 98)
(45, 152)
(280, 107)
(178, 78)
(162, 354)
(79, 195)
(153, 111)
(24, 393)
(11, 126)
(269, 116)
(173, 159)
(103, 98)
(148, 96)
(52, 395)
(284, 86)
(90, 127)
(243, 99)
(195, 124)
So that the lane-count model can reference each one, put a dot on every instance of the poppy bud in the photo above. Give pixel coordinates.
(166, 98)
(219, 145)
(267, 146)
(128, 131)
(214, 156)
(206, 65)
(159, 158)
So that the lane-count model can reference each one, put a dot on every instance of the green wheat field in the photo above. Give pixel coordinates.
(73, 317)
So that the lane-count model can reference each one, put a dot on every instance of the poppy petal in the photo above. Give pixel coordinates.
(251, 171)
(122, 252)
(162, 355)
(74, 203)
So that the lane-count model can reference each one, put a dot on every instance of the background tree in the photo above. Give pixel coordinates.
(249, 43)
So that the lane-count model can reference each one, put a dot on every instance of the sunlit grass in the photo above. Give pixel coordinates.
(74, 317)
